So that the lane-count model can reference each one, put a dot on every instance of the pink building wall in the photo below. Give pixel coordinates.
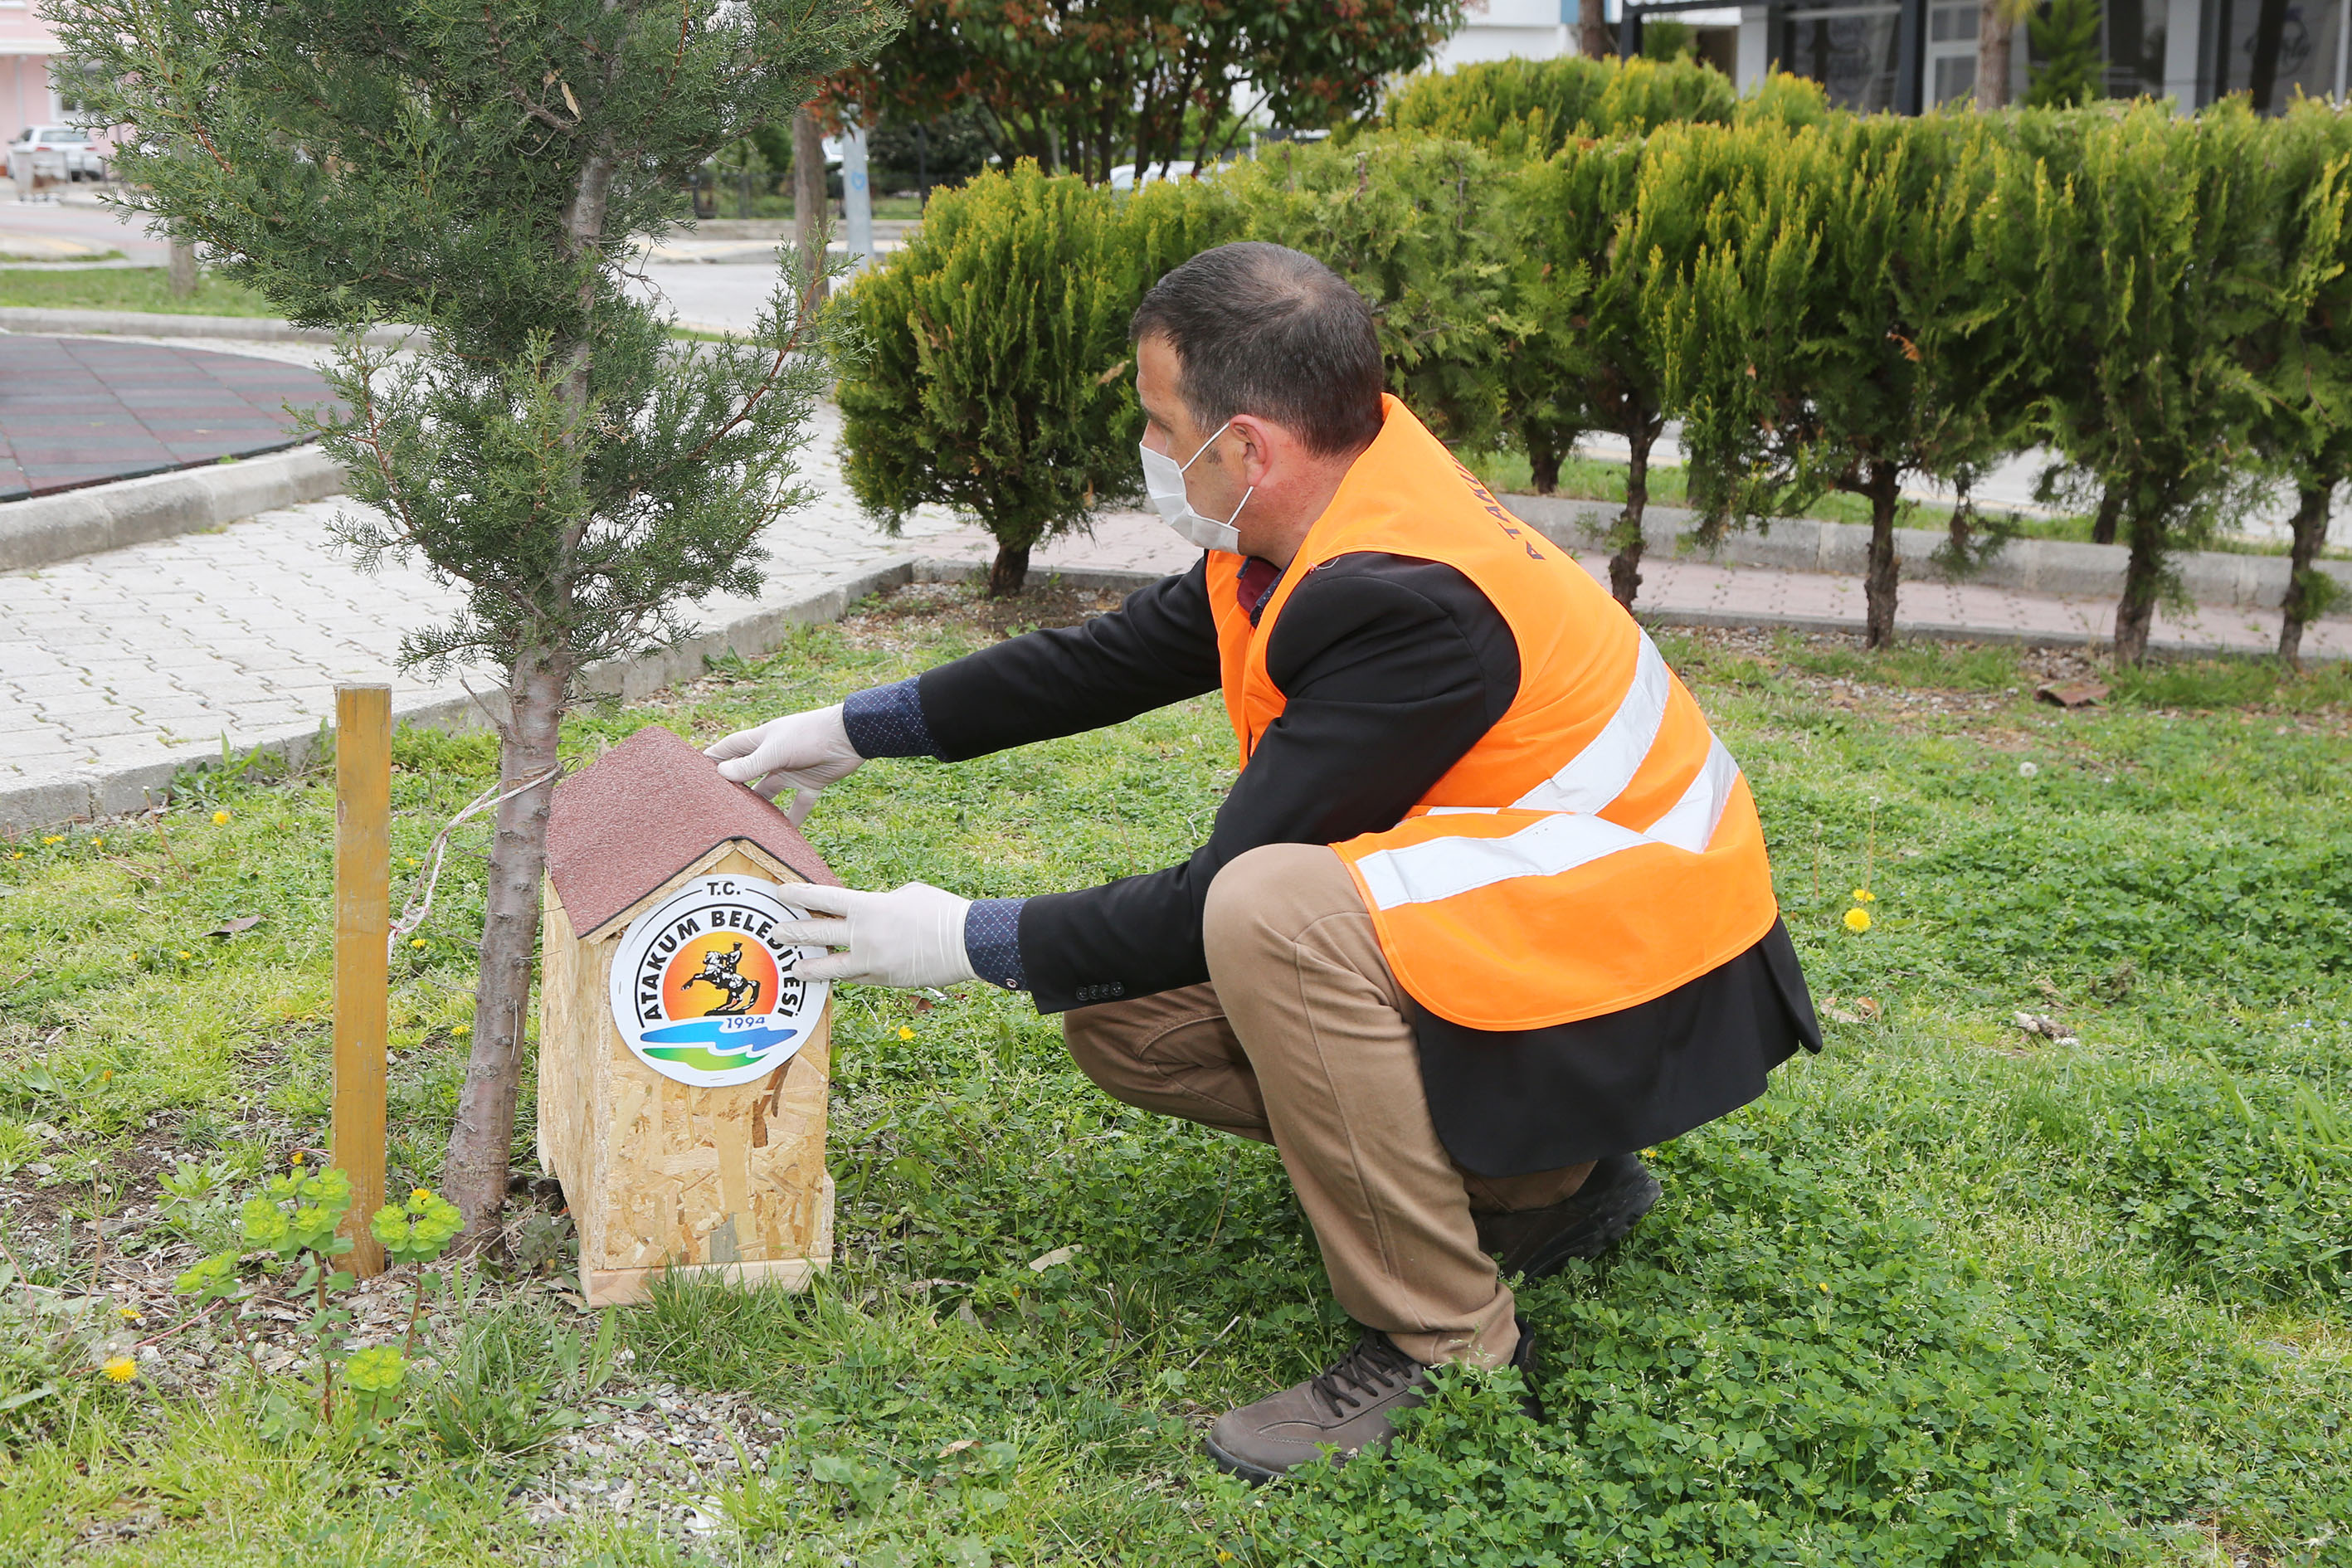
(25, 45)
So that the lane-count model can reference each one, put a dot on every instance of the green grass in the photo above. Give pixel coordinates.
(1949, 1294)
(147, 289)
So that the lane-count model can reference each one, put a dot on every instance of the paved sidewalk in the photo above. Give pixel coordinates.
(117, 666)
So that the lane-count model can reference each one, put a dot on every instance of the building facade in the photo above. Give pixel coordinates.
(1909, 55)
(27, 46)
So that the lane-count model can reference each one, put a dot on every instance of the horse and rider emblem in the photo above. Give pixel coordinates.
(722, 973)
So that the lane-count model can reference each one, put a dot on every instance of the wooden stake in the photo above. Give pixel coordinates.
(363, 926)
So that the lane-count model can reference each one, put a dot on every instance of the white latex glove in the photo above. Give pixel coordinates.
(800, 751)
(910, 936)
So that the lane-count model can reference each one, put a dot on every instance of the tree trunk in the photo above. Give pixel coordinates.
(1592, 40)
(2111, 509)
(1625, 565)
(809, 215)
(1995, 30)
(2310, 527)
(1878, 582)
(1543, 464)
(474, 1175)
(2143, 571)
(184, 270)
(539, 685)
(1009, 571)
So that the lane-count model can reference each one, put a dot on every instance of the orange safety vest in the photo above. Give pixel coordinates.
(1598, 846)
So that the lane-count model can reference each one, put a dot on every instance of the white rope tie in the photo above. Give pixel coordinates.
(419, 906)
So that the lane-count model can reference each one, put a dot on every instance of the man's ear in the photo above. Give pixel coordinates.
(1261, 444)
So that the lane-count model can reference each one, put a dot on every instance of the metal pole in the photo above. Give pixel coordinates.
(856, 193)
(363, 926)
(2343, 33)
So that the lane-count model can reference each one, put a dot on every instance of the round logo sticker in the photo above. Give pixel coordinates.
(703, 989)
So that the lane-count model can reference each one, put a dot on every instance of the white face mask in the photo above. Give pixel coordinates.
(1163, 480)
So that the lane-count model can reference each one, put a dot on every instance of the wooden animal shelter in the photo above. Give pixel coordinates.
(683, 1067)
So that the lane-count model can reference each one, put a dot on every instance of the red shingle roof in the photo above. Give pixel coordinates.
(644, 812)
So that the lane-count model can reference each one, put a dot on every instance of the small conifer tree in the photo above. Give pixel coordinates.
(483, 173)
(1409, 222)
(2146, 256)
(1845, 336)
(1591, 357)
(996, 378)
(2306, 360)
(2066, 37)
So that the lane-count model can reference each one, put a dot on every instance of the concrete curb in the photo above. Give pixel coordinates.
(84, 521)
(2028, 566)
(159, 324)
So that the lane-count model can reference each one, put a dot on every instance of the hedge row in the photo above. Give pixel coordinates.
(1826, 302)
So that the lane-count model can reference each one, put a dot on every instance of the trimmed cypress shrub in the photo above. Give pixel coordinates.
(995, 377)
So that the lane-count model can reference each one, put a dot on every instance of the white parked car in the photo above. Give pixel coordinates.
(1123, 177)
(59, 152)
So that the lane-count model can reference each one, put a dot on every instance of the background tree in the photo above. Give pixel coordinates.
(2140, 279)
(1997, 23)
(1594, 39)
(483, 173)
(2066, 36)
(995, 377)
(1084, 85)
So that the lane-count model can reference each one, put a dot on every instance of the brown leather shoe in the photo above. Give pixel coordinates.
(1348, 1407)
(1585, 1224)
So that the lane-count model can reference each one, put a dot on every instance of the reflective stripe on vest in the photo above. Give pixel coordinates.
(1598, 845)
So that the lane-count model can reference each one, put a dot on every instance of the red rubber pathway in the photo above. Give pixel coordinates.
(81, 411)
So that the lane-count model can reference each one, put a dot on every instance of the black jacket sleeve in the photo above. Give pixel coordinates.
(1391, 670)
(1159, 647)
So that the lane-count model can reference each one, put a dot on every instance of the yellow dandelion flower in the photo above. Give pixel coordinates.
(420, 1193)
(107, 1075)
(54, 839)
(1864, 896)
(220, 819)
(120, 1369)
(416, 942)
(298, 1157)
(461, 1030)
(97, 844)
(1824, 1285)
(129, 1314)
(185, 955)
(905, 1033)
(1857, 919)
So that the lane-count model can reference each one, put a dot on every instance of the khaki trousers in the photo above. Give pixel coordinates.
(1301, 1039)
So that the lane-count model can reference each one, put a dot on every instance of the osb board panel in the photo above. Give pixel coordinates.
(562, 1086)
(629, 1287)
(659, 1172)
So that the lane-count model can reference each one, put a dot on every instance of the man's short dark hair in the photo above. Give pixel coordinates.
(1261, 329)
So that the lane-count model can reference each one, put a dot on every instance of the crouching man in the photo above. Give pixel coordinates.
(1486, 911)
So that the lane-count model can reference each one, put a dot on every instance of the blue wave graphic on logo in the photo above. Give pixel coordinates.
(738, 1042)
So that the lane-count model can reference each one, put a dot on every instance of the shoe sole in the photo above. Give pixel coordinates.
(1604, 1229)
(1256, 1475)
